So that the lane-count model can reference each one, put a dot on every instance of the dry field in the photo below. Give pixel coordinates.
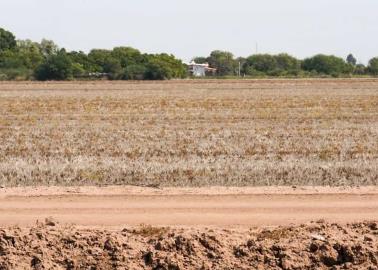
(190, 133)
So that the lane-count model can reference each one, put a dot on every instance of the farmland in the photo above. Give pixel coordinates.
(206, 174)
(190, 133)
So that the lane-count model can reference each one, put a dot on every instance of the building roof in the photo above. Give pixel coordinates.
(206, 65)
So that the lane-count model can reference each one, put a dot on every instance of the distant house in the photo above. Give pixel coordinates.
(200, 70)
(97, 75)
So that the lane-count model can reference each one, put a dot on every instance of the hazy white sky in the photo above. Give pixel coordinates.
(194, 28)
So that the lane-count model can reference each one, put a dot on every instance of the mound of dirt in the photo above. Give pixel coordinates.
(317, 245)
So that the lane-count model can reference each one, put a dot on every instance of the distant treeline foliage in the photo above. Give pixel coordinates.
(284, 65)
(28, 60)
(24, 60)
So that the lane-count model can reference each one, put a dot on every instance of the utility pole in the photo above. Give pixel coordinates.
(239, 73)
(257, 48)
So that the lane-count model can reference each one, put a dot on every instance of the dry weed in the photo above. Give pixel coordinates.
(190, 133)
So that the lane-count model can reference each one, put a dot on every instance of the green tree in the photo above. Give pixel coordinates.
(164, 67)
(351, 60)
(48, 47)
(127, 56)
(156, 70)
(7, 40)
(223, 61)
(55, 67)
(135, 72)
(98, 58)
(327, 64)
(287, 64)
(200, 60)
(10, 59)
(113, 68)
(30, 52)
(240, 62)
(373, 66)
(260, 64)
(12, 66)
(17, 62)
(81, 59)
(360, 69)
(78, 70)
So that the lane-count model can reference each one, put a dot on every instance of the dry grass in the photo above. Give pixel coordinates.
(190, 133)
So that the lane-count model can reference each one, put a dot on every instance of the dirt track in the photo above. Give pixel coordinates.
(220, 207)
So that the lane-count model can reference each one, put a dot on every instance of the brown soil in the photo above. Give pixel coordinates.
(194, 207)
(213, 228)
(316, 245)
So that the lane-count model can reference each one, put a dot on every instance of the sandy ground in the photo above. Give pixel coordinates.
(189, 228)
(114, 207)
(317, 245)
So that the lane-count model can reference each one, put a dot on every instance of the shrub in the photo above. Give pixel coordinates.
(55, 67)
(327, 64)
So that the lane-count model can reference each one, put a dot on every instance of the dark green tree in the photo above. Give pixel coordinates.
(99, 58)
(327, 65)
(10, 59)
(223, 61)
(7, 40)
(81, 61)
(240, 62)
(135, 72)
(164, 67)
(287, 64)
(373, 66)
(351, 60)
(360, 69)
(127, 56)
(200, 60)
(260, 64)
(12, 66)
(18, 62)
(55, 67)
(113, 68)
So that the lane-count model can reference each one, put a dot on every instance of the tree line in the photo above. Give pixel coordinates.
(28, 60)
(284, 65)
(25, 59)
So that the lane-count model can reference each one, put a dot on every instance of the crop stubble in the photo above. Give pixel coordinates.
(190, 133)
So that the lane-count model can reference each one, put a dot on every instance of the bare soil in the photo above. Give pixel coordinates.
(193, 207)
(189, 228)
(316, 245)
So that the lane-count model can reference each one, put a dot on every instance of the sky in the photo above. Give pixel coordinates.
(194, 28)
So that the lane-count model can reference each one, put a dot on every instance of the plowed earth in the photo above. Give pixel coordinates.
(312, 246)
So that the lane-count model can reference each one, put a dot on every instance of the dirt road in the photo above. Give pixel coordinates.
(223, 207)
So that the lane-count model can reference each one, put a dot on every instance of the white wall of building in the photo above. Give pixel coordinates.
(199, 71)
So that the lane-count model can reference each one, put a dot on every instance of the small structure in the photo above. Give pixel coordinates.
(200, 70)
(97, 75)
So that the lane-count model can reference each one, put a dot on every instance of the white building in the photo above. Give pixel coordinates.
(200, 70)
